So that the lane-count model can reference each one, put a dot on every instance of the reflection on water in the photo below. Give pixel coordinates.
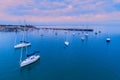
(91, 59)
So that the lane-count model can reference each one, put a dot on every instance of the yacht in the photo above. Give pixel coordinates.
(66, 41)
(22, 43)
(86, 34)
(31, 58)
(73, 34)
(82, 38)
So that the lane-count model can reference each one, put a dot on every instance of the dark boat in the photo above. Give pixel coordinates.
(108, 39)
(25, 41)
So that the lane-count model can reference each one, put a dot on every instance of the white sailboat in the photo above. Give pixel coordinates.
(73, 34)
(22, 43)
(82, 38)
(66, 41)
(108, 39)
(86, 34)
(31, 58)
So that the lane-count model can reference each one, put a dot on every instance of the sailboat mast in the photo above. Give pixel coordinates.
(24, 30)
(24, 34)
(15, 39)
(23, 37)
(21, 55)
(66, 36)
(26, 50)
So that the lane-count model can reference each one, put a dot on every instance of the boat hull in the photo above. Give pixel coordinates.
(22, 45)
(66, 43)
(29, 60)
(108, 40)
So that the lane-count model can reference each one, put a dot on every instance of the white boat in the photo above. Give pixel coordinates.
(108, 39)
(73, 34)
(82, 38)
(86, 34)
(29, 60)
(66, 43)
(22, 45)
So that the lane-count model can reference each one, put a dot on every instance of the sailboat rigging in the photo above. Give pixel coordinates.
(22, 43)
(66, 41)
(30, 58)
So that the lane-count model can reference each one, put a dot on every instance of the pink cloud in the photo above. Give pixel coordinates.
(54, 15)
(116, 1)
(80, 18)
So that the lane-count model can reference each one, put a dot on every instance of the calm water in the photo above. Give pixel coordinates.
(93, 59)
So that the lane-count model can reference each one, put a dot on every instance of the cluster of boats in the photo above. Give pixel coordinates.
(83, 38)
(30, 58)
(33, 57)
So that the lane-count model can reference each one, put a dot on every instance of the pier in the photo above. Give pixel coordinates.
(16, 28)
(68, 29)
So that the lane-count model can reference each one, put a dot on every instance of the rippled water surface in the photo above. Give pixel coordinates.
(91, 59)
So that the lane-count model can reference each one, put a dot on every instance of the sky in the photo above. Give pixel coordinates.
(59, 11)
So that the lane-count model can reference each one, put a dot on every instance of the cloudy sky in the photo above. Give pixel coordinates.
(59, 11)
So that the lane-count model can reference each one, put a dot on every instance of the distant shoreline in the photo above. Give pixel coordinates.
(17, 28)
